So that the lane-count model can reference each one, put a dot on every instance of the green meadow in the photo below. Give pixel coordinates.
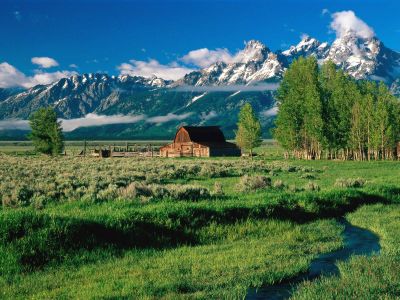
(191, 228)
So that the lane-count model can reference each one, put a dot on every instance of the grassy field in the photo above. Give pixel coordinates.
(150, 228)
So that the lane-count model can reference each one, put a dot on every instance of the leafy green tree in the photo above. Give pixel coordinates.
(46, 133)
(324, 111)
(339, 93)
(299, 124)
(248, 135)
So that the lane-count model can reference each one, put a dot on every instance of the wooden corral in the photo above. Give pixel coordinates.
(105, 151)
(199, 141)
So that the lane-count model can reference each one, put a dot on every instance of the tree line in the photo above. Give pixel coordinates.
(323, 113)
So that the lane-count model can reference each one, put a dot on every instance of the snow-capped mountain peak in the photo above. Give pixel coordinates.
(254, 51)
(78, 95)
(306, 47)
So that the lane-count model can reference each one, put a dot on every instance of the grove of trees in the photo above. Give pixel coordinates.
(325, 113)
(46, 133)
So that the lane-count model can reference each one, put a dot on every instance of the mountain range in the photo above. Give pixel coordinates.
(212, 95)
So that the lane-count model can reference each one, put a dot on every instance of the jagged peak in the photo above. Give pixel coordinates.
(254, 44)
(254, 51)
(306, 44)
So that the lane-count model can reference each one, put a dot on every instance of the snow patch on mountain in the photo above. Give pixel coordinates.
(194, 99)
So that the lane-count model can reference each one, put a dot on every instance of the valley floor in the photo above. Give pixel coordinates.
(192, 228)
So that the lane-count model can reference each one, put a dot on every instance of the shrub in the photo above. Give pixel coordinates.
(293, 188)
(135, 190)
(110, 193)
(212, 171)
(253, 183)
(188, 192)
(218, 191)
(312, 186)
(278, 184)
(307, 176)
(349, 182)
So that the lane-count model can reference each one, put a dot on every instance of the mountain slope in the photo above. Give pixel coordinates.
(212, 95)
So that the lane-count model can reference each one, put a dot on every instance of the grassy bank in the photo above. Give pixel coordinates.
(376, 277)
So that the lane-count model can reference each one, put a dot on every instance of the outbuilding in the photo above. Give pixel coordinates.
(200, 141)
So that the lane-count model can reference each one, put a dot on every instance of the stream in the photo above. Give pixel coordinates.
(357, 241)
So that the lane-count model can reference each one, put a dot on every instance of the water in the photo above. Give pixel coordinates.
(357, 241)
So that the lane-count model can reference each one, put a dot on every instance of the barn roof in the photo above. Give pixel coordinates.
(205, 134)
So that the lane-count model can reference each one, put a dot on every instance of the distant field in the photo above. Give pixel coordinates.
(269, 147)
(190, 228)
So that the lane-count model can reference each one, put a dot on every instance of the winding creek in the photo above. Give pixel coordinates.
(357, 241)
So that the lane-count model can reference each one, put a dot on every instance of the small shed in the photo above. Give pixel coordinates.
(200, 141)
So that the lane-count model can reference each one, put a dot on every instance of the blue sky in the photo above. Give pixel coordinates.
(109, 36)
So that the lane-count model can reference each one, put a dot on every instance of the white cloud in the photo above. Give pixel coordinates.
(207, 116)
(17, 15)
(44, 62)
(205, 57)
(172, 71)
(96, 120)
(14, 124)
(73, 66)
(47, 78)
(12, 77)
(304, 36)
(325, 11)
(168, 117)
(270, 112)
(89, 120)
(345, 21)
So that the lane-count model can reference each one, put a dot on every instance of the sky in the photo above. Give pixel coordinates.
(42, 41)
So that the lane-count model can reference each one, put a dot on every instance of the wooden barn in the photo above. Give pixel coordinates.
(200, 141)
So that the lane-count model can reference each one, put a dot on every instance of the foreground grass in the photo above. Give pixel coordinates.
(79, 236)
(233, 258)
(376, 277)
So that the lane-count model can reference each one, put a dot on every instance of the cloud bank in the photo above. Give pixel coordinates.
(345, 21)
(44, 62)
(192, 61)
(90, 120)
(270, 112)
(12, 77)
(14, 124)
(167, 118)
(204, 57)
(96, 120)
(172, 71)
(208, 116)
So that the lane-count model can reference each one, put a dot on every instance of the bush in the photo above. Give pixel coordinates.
(253, 183)
(188, 192)
(135, 190)
(278, 184)
(307, 176)
(349, 183)
(312, 186)
(212, 171)
(218, 191)
(293, 188)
